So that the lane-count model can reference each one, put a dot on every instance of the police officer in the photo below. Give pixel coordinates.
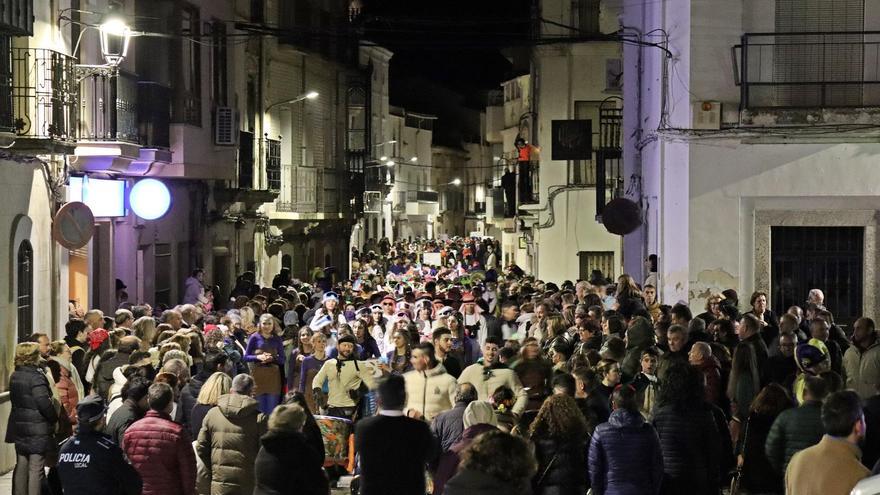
(89, 462)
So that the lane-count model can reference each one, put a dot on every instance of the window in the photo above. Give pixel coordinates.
(219, 63)
(588, 16)
(25, 290)
(6, 118)
(596, 260)
(257, 10)
(583, 172)
(188, 109)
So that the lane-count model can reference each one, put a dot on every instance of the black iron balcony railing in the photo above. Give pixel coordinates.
(808, 70)
(38, 87)
(246, 160)
(109, 108)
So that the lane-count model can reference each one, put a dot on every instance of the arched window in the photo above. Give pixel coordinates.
(25, 290)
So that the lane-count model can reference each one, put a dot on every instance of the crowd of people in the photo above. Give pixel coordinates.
(459, 376)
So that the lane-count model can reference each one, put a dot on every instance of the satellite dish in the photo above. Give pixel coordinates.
(622, 216)
(74, 225)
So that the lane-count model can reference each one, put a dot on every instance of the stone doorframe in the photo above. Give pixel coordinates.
(765, 219)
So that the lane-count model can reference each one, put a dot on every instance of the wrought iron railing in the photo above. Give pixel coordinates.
(806, 70)
(41, 86)
(272, 148)
(109, 108)
(187, 108)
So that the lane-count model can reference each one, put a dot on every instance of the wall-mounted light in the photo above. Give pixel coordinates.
(149, 199)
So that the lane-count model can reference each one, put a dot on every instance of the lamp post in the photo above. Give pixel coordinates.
(115, 37)
(310, 95)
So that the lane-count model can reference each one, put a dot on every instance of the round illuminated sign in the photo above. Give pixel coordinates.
(149, 199)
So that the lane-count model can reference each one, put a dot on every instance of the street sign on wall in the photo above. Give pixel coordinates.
(572, 140)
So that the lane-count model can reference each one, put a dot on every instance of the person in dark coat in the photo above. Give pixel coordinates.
(559, 433)
(31, 420)
(389, 464)
(133, 408)
(90, 463)
(310, 430)
(286, 463)
(215, 360)
(496, 463)
(625, 456)
(757, 474)
(104, 375)
(797, 428)
(448, 426)
(689, 438)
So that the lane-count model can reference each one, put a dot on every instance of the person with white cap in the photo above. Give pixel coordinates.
(89, 462)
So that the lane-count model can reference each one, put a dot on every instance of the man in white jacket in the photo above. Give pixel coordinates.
(489, 375)
(430, 390)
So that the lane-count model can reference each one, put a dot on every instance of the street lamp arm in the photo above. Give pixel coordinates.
(311, 95)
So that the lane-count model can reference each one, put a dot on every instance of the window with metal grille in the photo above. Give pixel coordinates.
(188, 109)
(7, 123)
(219, 65)
(588, 16)
(822, 69)
(25, 290)
(273, 164)
(596, 260)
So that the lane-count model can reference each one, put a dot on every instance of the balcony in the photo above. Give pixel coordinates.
(38, 87)
(809, 70)
(422, 196)
(311, 193)
(272, 149)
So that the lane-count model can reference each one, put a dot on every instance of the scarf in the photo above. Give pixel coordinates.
(74, 375)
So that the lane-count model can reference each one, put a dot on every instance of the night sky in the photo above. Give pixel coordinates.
(455, 43)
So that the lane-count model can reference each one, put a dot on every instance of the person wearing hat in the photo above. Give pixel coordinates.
(89, 462)
(344, 376)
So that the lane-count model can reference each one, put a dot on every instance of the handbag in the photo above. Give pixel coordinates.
(546, 470)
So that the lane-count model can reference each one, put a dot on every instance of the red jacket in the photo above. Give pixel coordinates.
(162, 453)
(68, 394)
(711, 369)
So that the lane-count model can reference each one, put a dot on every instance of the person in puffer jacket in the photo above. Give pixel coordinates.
(230, 439)
(430, 390)
(160, 449)
(625, 456)
(689, 436)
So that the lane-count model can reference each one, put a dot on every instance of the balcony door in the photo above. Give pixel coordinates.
(822, 69)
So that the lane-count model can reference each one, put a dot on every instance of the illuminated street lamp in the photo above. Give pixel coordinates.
(115, 37)
(310, 95)
(456, 182)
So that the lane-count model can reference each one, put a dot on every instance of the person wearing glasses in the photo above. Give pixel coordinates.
(487, 376)
(713, 308)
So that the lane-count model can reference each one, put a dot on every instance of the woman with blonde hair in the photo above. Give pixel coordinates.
(559, 433)
(713, 308)
(265, 356)
(31, 420)
(69, 385)
(216, 385)
(144, 328)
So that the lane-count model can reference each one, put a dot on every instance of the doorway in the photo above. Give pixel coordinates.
(827, 258)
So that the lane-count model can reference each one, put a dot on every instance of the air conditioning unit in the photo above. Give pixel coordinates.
(707, 115)
(224, 126)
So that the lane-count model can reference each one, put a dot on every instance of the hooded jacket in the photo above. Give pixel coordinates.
(430, 392)
(449, 461)
(639, 336)
(625, 456)
(487, 381)
(287, 465)
(862, 368)
(228, 443)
